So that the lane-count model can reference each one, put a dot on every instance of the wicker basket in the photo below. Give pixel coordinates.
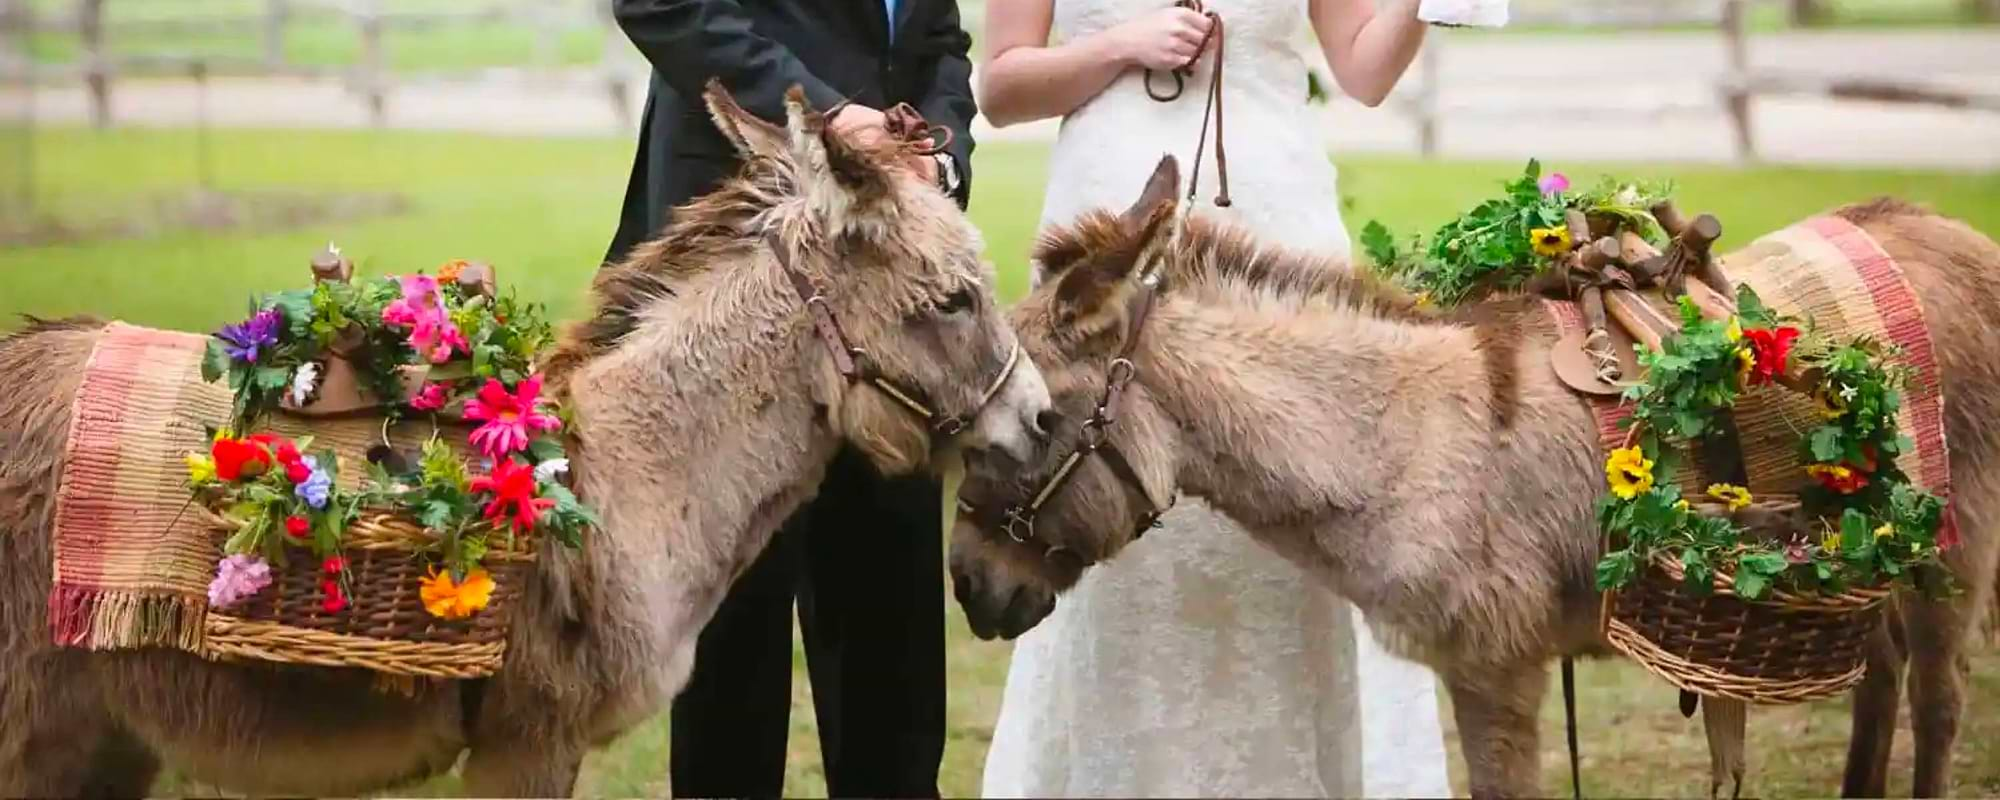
(1781, 649)
(384, 627)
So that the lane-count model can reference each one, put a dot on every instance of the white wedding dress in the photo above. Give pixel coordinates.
(1199, 663)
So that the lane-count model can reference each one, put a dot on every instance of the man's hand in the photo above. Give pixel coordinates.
(869, 128)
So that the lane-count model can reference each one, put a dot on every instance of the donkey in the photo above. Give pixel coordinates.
(706, 411)
(1428, 467)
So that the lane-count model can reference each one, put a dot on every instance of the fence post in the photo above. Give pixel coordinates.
(374, 61)
(1985, 10)
(1736, 87)
(17, 26)
(276, 14)
(97, 62)
(616, 76)
(1427, 97)
(1806, 12)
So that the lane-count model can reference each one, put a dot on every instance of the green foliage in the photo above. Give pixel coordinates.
(1491, 246)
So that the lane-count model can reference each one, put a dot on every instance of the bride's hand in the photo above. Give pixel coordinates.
(1166, 39)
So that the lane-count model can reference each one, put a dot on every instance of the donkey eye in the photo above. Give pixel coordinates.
(958, 302)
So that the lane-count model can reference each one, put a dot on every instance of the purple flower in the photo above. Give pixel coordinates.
(1554, 183)
(246, 340)
(237, 577)
(316, 488)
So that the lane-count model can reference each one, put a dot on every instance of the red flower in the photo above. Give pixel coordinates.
(1840, 478)
(334, 565)
(509, 418)
(514, 502)
(334, 600)
(297, 526)
(431, 398)
(1947, 530)
(239, 459)
(1773, 350)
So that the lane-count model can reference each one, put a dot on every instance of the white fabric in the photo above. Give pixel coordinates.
(1478, 13)
(1199, 663)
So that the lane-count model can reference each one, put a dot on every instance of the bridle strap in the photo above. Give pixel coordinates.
(847, 359)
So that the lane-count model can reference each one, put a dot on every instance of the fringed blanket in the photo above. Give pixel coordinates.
(1827, 270)
(133, 558)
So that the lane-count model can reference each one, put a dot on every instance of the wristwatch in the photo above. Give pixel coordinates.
(947, 173)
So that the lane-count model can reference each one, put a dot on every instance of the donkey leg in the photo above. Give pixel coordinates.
(1724, 721)
(52, 735)
(1496, 709)
(122, 766)
(1877, 702)
(1938, 670)
(523, 769)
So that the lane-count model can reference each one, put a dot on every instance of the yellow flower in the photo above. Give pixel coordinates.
(1550, 242)
(1735, 329)
(448, 600)
(1830, 405)
(1887, 530)
(1629, 472)
(223, 433)
(1423, 299)
(1745, 359)
(201, 468)
(1830, 542)
(1737, 497)
(1682, 506)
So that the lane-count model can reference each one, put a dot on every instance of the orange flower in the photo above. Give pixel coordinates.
(448, 599)
(451, 269)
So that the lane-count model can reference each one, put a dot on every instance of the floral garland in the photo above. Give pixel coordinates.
(1877, 527)
(1503, 242)
(479, 351)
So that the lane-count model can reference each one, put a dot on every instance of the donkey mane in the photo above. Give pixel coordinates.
(1225, 261)
(704, 231)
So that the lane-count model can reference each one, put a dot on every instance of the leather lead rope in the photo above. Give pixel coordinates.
(823, 321)
(1211, 106)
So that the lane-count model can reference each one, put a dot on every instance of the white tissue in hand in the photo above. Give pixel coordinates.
(1478, 13)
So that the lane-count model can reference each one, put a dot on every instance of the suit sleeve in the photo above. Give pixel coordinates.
(690, 41)
(948, 101)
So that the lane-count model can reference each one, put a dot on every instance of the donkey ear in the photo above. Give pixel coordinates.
(750, 135)
(1161, 190)
(841, 180)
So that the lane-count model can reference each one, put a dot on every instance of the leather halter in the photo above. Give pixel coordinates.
(1094, 439)
(1212, 106)
(854, 365)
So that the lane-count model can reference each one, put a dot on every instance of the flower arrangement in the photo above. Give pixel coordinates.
(1876, 527)
(1502, 242)
(477, 352)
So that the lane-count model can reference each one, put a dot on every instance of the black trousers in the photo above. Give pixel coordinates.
(865, 563)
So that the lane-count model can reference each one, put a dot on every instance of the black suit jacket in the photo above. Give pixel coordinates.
(836, 49)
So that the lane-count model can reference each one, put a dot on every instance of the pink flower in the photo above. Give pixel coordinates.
(430, 399)
(237, 577)
(421, 309)
(1554, 183)
(509, 418)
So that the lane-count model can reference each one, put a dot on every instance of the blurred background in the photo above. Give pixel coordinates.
(163, 160)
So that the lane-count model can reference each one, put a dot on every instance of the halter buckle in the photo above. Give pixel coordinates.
(950, 426)
(1019, 519)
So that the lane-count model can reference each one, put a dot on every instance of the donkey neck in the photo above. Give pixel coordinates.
(1291, 416)
(700, 436)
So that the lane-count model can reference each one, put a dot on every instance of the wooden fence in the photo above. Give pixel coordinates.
(1735, 89)
(100, 64)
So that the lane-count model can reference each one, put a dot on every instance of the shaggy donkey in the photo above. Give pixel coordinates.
(706, 412)
(1430, 468)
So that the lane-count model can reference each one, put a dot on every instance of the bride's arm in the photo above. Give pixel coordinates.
(1025, 79)
(1369, 49)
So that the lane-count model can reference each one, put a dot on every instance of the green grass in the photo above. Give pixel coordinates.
(542, 210)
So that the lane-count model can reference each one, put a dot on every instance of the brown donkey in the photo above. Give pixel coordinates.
(706, 412)
(1429, 468)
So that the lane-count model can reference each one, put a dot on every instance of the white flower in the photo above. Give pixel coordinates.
(1848, 392)
(333, 249)
(303, 382)
(551, 469)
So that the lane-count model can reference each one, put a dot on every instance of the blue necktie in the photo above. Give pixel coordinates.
(890, 7)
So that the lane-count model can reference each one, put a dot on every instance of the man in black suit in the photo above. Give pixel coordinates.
(864, 560)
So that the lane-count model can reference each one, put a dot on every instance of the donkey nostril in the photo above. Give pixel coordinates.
(1046, 421)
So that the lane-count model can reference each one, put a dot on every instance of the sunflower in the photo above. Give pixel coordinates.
(1746, 360)
(1550, 242)
(1737, 497)
(1629, 472)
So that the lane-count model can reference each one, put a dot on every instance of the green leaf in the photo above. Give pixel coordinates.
(215, 361)
(271, 379)
(546, 448)
(1751, 585)
(1615, 570)
(1766, 563)
(1824, 444)
(1378, 244)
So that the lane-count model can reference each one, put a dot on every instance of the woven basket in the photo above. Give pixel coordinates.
(384, 627)
(1781, 649)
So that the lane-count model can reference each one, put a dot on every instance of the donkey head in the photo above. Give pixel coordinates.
(1029, 527)
(897, 265)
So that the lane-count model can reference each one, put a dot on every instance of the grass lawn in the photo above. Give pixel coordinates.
(543, 210)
